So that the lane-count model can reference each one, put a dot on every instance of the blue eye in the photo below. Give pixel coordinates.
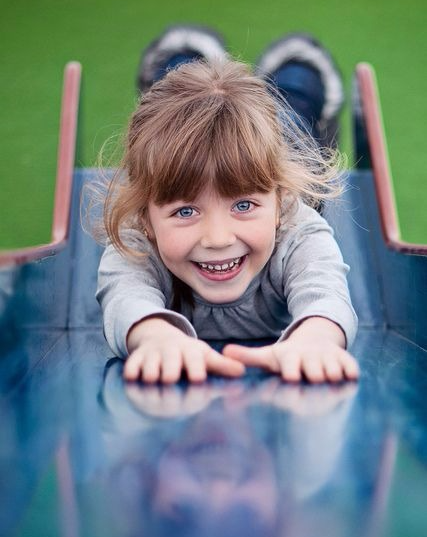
(243, 206)
(185, 212)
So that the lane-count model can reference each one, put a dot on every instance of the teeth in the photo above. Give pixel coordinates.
(224, 266)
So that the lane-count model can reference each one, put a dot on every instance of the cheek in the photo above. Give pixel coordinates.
(263, 237)
(172, 244)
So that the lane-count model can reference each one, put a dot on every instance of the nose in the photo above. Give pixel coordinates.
(217, 232)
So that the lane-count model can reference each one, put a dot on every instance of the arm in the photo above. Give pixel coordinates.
(314, 276)
(129, 291)
(160, 343)
(323, 320)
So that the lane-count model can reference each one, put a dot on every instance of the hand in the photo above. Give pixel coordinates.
(160, 352)
(314, 350)
(302, 400)
(173, 401)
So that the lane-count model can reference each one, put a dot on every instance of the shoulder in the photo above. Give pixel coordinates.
(298, 219)
(304, 235)
(142, 258)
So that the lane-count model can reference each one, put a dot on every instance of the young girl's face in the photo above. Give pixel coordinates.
(216, 245)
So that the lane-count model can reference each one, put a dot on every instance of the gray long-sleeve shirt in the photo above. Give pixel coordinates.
(304, 277)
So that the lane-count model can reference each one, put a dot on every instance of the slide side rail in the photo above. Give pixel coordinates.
(64, 175)
(372, 120)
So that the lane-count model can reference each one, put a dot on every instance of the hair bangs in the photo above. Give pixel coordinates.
(243, 163)
(225, 154)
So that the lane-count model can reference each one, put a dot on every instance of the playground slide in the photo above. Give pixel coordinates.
(83, 453)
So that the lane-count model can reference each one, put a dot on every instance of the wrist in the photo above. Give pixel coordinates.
(147, 327)
(319, 329)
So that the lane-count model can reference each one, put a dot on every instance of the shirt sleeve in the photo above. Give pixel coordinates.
(314, 275)
(130, 290)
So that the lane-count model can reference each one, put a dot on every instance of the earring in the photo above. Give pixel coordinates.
(144, 230)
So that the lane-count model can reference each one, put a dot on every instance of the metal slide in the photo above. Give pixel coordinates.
(82, 453)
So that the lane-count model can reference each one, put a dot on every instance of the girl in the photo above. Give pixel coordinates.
(212, 237)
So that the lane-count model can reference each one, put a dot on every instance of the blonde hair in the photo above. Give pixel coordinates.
(213, 124)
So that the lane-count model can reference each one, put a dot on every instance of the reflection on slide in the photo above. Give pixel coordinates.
(83, 453)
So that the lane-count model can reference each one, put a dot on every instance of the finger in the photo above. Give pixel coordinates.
(195, 365)
(350, 366)
(222, 365)
(196, 397)
(313, 370)
(333, 370)
(171, 366)
(140, 396)
(151, 369)
(340, 393)
(253, 356)
(290, 367)
(152, 398)
(292, 397)
(348, 391)
(172, 399)
(266, 390)
(134, 362)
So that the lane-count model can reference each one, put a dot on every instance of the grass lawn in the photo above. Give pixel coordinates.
(39, 36)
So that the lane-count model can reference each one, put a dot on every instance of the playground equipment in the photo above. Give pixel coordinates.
(123, 459)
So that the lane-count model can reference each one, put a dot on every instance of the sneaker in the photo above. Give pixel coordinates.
(305, 73)
(178, 44)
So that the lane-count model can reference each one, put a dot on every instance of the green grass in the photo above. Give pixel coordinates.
(39, 36)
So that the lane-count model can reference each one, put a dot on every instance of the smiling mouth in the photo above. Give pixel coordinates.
(221, 267)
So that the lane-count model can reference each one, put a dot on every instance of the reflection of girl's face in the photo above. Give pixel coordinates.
(216, 466)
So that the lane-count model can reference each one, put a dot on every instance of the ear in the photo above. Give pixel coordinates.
(146, 227)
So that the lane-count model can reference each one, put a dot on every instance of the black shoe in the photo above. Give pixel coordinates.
(305, 73)
(178, 44)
